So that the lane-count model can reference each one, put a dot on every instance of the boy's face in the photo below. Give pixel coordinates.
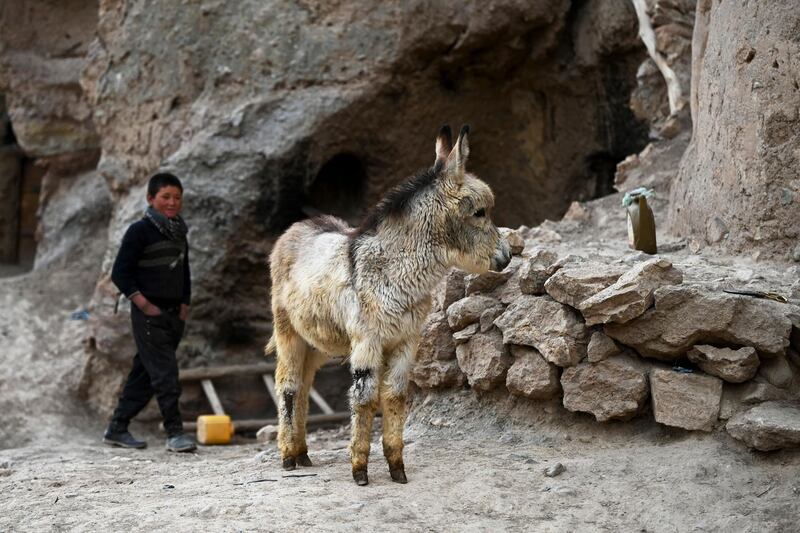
(167, 201)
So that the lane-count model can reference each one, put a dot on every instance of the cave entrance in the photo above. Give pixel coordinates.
(20, 184)
(339, 189)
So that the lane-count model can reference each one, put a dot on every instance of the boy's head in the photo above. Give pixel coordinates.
(165, 194)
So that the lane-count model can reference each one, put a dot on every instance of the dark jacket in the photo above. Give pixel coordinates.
(149, 263)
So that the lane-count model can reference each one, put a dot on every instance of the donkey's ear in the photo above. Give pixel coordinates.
(444, 143)
(457, 159)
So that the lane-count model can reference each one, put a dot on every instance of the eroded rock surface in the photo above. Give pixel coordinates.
(436, 364)
(690, 401)
(684, 316)
(573, 284)
(556, 330)
(734, 366)
(631, 295)
(601, 347)
(469, 310)
(484, 359)
(769, 426)
(613, 389)
(531, 375)
(740, 139)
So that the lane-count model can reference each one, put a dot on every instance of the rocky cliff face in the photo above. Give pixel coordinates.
(271, 111)
(738, 182)
(321, 107)
(50, 144)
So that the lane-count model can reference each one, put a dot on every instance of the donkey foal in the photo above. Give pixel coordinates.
(366, 291)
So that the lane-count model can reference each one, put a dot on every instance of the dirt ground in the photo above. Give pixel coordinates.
(474, 464)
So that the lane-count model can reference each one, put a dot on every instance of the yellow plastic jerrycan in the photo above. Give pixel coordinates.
(214, 429)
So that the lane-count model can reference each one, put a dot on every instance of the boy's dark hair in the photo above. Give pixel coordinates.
(161, 180)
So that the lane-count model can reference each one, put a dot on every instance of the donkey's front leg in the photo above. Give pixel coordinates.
(393, 393)
(365, 363)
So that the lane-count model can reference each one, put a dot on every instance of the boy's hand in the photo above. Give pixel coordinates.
(145, 306)
(184, 312)
(151, 310)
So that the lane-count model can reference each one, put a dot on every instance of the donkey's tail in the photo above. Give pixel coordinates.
(271, 346)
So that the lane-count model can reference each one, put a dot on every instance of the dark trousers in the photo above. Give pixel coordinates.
(154, 372)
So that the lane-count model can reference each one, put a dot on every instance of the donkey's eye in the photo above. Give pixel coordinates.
(480, 213)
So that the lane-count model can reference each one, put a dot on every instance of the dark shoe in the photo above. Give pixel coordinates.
(123, 439)
(181, 443)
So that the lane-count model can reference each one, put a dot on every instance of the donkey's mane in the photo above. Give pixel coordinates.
(395, 202)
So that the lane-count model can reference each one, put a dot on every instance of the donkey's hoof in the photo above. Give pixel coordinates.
(360, 477)
(398, 475)
(303, 460)
(289, 463)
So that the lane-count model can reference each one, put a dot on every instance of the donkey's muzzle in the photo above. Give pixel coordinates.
(502, 255)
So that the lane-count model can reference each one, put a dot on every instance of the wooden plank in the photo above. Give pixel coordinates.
(215, 372)
(213, 399)
(270, 383)
(320, 401)
(256, 424)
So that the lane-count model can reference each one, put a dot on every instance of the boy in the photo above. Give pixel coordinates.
(152, 270)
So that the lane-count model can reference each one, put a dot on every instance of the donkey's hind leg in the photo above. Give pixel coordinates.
(291, 355)
(393, 393)
(313, 361)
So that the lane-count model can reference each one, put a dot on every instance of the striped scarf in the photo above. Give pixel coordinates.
(173, 229)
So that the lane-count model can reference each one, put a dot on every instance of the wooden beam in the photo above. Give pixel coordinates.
(320, 401)
(270, 383)
(256, 424)
(215, 372)
(213, 399)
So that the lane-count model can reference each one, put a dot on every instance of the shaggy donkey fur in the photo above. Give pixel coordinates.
(366, 292)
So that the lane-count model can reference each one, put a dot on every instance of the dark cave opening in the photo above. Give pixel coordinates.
(338, 189)
(20, 185)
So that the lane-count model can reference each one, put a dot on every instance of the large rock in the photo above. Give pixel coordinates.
(469, 310)
(436, 364)
(631, 295)
(575, 283)
(741, 164)
(737, 397)
(536, 270)
(463, 335)
(613, 389)
(759, 390)
(434, 374)
(734, 366)
(601, 347)
(41, 64)
(484, 359)
(489, 316)
(684, 316)
(689, 401)
(777, 371)
(515, 240)
(509, 291)
(769, 426)
(449, 290)
(531, 376)
(556, 330)
(488, 281)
